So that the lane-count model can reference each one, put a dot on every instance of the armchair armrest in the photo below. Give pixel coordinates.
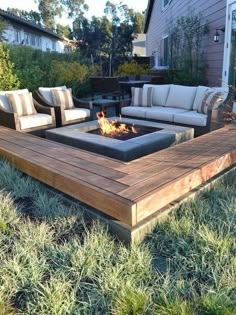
(41, 100)
(43, 109)
(82, 103)
(9, 120)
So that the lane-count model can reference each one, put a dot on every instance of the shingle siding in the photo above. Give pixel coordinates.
(213, 13)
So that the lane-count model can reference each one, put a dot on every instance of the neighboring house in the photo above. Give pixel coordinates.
(217, 14)
(139, 45)
(21, 32)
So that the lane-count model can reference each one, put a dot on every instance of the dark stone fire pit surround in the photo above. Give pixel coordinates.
(77, 136)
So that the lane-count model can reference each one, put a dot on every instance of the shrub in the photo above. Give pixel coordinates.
(8, 79)
(131, 68)
(37, 68)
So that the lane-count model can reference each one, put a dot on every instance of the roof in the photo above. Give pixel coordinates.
(13, 17)
(148, 15)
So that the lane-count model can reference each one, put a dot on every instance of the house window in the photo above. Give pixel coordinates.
(17, 37)
(27, 39)
(166, 51)
(165, 3)
(53, 45)
(32, 40)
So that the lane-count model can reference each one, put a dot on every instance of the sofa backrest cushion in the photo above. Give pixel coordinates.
(63, 98)
(181, 96)
(4, 103)
(159, 94)
(22, 104)
(141, 96)
(47, 94)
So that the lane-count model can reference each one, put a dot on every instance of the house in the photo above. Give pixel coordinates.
(219, 43)
(21, 32)
(139, 45)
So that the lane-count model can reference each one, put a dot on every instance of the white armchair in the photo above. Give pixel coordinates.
(19, 111)
(68, 109)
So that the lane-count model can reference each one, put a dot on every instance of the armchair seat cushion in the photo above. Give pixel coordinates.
(76, 113)
(36, 120)
(163, 113)
(191, 118)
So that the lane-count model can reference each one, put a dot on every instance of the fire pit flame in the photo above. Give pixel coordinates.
(113, 127)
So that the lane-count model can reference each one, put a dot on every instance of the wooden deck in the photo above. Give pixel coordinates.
(128, 192)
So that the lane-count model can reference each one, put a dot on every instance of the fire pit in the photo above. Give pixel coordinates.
(142, 138)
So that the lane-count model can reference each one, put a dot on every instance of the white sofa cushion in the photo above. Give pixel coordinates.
(22, 104)
(159, 94)
(63, 98)
(181, 96)
(47, 94)
(191, 118)
(76, 113)
(141, 96)
(163, 113)
(134, 111)
(4, 101)
(200, 94)
(36, 120)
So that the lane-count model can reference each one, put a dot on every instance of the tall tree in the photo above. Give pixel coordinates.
(49, 9)
(31, 16)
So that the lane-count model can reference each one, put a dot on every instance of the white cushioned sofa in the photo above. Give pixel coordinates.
(196, 106)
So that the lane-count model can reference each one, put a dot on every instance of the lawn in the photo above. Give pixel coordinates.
(55, 262)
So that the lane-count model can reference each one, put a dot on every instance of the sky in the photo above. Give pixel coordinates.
(96, 7)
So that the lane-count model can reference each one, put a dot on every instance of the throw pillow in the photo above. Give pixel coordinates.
(22, 104)
(211, 100)
(141, 96)
(63, 98)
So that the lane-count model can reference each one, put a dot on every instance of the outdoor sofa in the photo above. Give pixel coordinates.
(20, 111)
(68, 109)
(199, 107)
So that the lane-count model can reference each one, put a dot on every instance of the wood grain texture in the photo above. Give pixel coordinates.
(128, 192)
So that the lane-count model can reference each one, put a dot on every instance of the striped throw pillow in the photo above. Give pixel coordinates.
(211, 100)
(63, 98)
(141, 96)
(22, 104)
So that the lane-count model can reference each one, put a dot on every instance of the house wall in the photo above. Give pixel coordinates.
(23, 35)
(213, 13)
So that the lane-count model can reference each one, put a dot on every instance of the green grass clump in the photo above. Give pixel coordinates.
(55, 262)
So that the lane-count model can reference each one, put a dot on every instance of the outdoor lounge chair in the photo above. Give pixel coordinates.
(19, 111)
(68, 109)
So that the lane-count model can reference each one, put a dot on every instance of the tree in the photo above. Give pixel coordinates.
(49, 9)
(8, 80)
(122, 33)
(31, 16)
(64, 31)
(185, 50)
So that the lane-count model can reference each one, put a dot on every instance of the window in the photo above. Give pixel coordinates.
(32, 40)
(17, 37)
(165, 3)
(53, 45)
(166, 51)
(27, 39)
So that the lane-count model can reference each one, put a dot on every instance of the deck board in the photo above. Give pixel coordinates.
(127, 191)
